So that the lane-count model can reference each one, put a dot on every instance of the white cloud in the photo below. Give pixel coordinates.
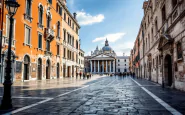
(124, 47)
(87, 19)
(110, 37)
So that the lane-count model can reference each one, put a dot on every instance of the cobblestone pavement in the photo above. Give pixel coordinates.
(96, 96)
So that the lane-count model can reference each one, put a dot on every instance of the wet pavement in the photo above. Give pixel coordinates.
(100, 95)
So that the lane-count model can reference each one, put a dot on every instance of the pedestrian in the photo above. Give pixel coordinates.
(133, 75)
(80, 75)
(76, 75)
(83, 75)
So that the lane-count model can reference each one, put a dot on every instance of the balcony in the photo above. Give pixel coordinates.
(48, 53)
(50, 34)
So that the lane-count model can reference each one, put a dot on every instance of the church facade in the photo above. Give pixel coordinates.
(103, 61)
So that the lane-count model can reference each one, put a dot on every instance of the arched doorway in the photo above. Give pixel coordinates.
(168, 70)
(47, 69)
(26, 67)
(39, 69)
(58, 70)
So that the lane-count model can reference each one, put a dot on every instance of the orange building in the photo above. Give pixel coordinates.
(37, 45)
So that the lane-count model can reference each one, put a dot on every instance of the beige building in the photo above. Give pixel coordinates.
(81, 61)
(162, 42)
(70, 28)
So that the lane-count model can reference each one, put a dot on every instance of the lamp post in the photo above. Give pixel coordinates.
(11, 6)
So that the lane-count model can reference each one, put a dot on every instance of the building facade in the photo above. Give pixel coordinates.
(45, 41)
(81, 61)
(122, 64)
(162, 43)
(103, 61)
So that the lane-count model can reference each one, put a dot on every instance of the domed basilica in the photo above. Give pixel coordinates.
(103, 60)
(105, 50)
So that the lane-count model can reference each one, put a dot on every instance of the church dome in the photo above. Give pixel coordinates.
(107, 47)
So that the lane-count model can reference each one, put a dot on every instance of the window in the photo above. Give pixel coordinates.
(125, 65)
(58, 29)
(179, 50)
(58, 49)
(73, 56)
(125, 60)
(50, 1)
(163, 14)
(47, 45)
(64, 52)
(28, 7)
(73, 26)
(40, 41)
(64, 34)
(73, 41)
(65, 16)
(118, 60)
(152, 34)
(48, 21)
(118, 64)
(76, 30)
(68, 20)
(27, 35)
(156, 26)
(76, 44)
(174, 3)
(40, 14)
(60, 11)
(118, 70)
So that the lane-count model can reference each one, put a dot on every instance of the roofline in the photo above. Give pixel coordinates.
(65, 7)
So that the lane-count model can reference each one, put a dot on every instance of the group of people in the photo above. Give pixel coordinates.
(83, 75)
(127, 74)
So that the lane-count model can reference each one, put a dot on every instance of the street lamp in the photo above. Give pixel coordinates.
(11, 6)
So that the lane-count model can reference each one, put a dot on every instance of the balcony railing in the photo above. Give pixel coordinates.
(50, 34)
(48, 53)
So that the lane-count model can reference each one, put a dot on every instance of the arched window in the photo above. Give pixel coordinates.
(41, 14)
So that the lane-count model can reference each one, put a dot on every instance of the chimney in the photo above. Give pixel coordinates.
(74, 15)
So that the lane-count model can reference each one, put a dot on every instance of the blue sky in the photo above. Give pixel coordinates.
(116, 20)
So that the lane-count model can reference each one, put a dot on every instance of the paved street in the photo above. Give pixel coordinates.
(99, 95)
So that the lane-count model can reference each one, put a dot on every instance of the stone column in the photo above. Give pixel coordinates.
(98, 66)
(91, 65)
(106, 66)
(110, 67)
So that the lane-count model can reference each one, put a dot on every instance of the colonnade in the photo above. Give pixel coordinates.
(102, 66)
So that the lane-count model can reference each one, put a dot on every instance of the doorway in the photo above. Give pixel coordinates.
(69, 71)
(39, 69)
(47, 69)
(168, 70)
(26, 67)
(58, 70)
